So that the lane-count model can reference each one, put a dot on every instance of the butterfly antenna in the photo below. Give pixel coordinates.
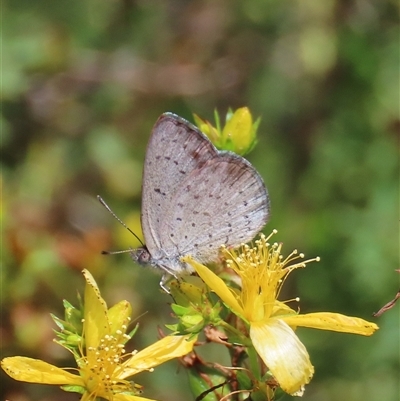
(115, 252)
(101, 200)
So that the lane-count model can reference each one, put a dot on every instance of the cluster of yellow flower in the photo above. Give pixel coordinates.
(98, 346)
(246, 317)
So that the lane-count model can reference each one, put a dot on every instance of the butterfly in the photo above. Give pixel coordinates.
(195, 198)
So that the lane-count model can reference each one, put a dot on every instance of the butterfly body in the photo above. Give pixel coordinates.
(172, 266)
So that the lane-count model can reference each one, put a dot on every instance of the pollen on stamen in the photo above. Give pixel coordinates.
(316, 259)
(297, 299)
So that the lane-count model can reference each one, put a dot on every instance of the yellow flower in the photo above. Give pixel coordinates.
(238, 134)
(262, 271)
(103, 365)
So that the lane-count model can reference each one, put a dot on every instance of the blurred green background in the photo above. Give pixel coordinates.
(82, 84)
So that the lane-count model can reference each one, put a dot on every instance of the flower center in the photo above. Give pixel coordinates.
(262, 270)
(102, 367)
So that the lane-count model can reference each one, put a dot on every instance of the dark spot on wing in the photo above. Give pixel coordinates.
(158, 190)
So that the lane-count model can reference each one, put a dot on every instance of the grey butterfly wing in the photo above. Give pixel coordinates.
(174, 150)
(224, 201)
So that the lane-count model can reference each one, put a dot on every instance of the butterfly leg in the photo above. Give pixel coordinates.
(167, 276)
(163, 282)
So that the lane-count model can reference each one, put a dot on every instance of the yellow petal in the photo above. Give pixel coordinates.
(118, 315)
(239, 129)
(283, 353)
(332, 321)
(96, 324)
(216, 284)
(37, 371)
(163, 350)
